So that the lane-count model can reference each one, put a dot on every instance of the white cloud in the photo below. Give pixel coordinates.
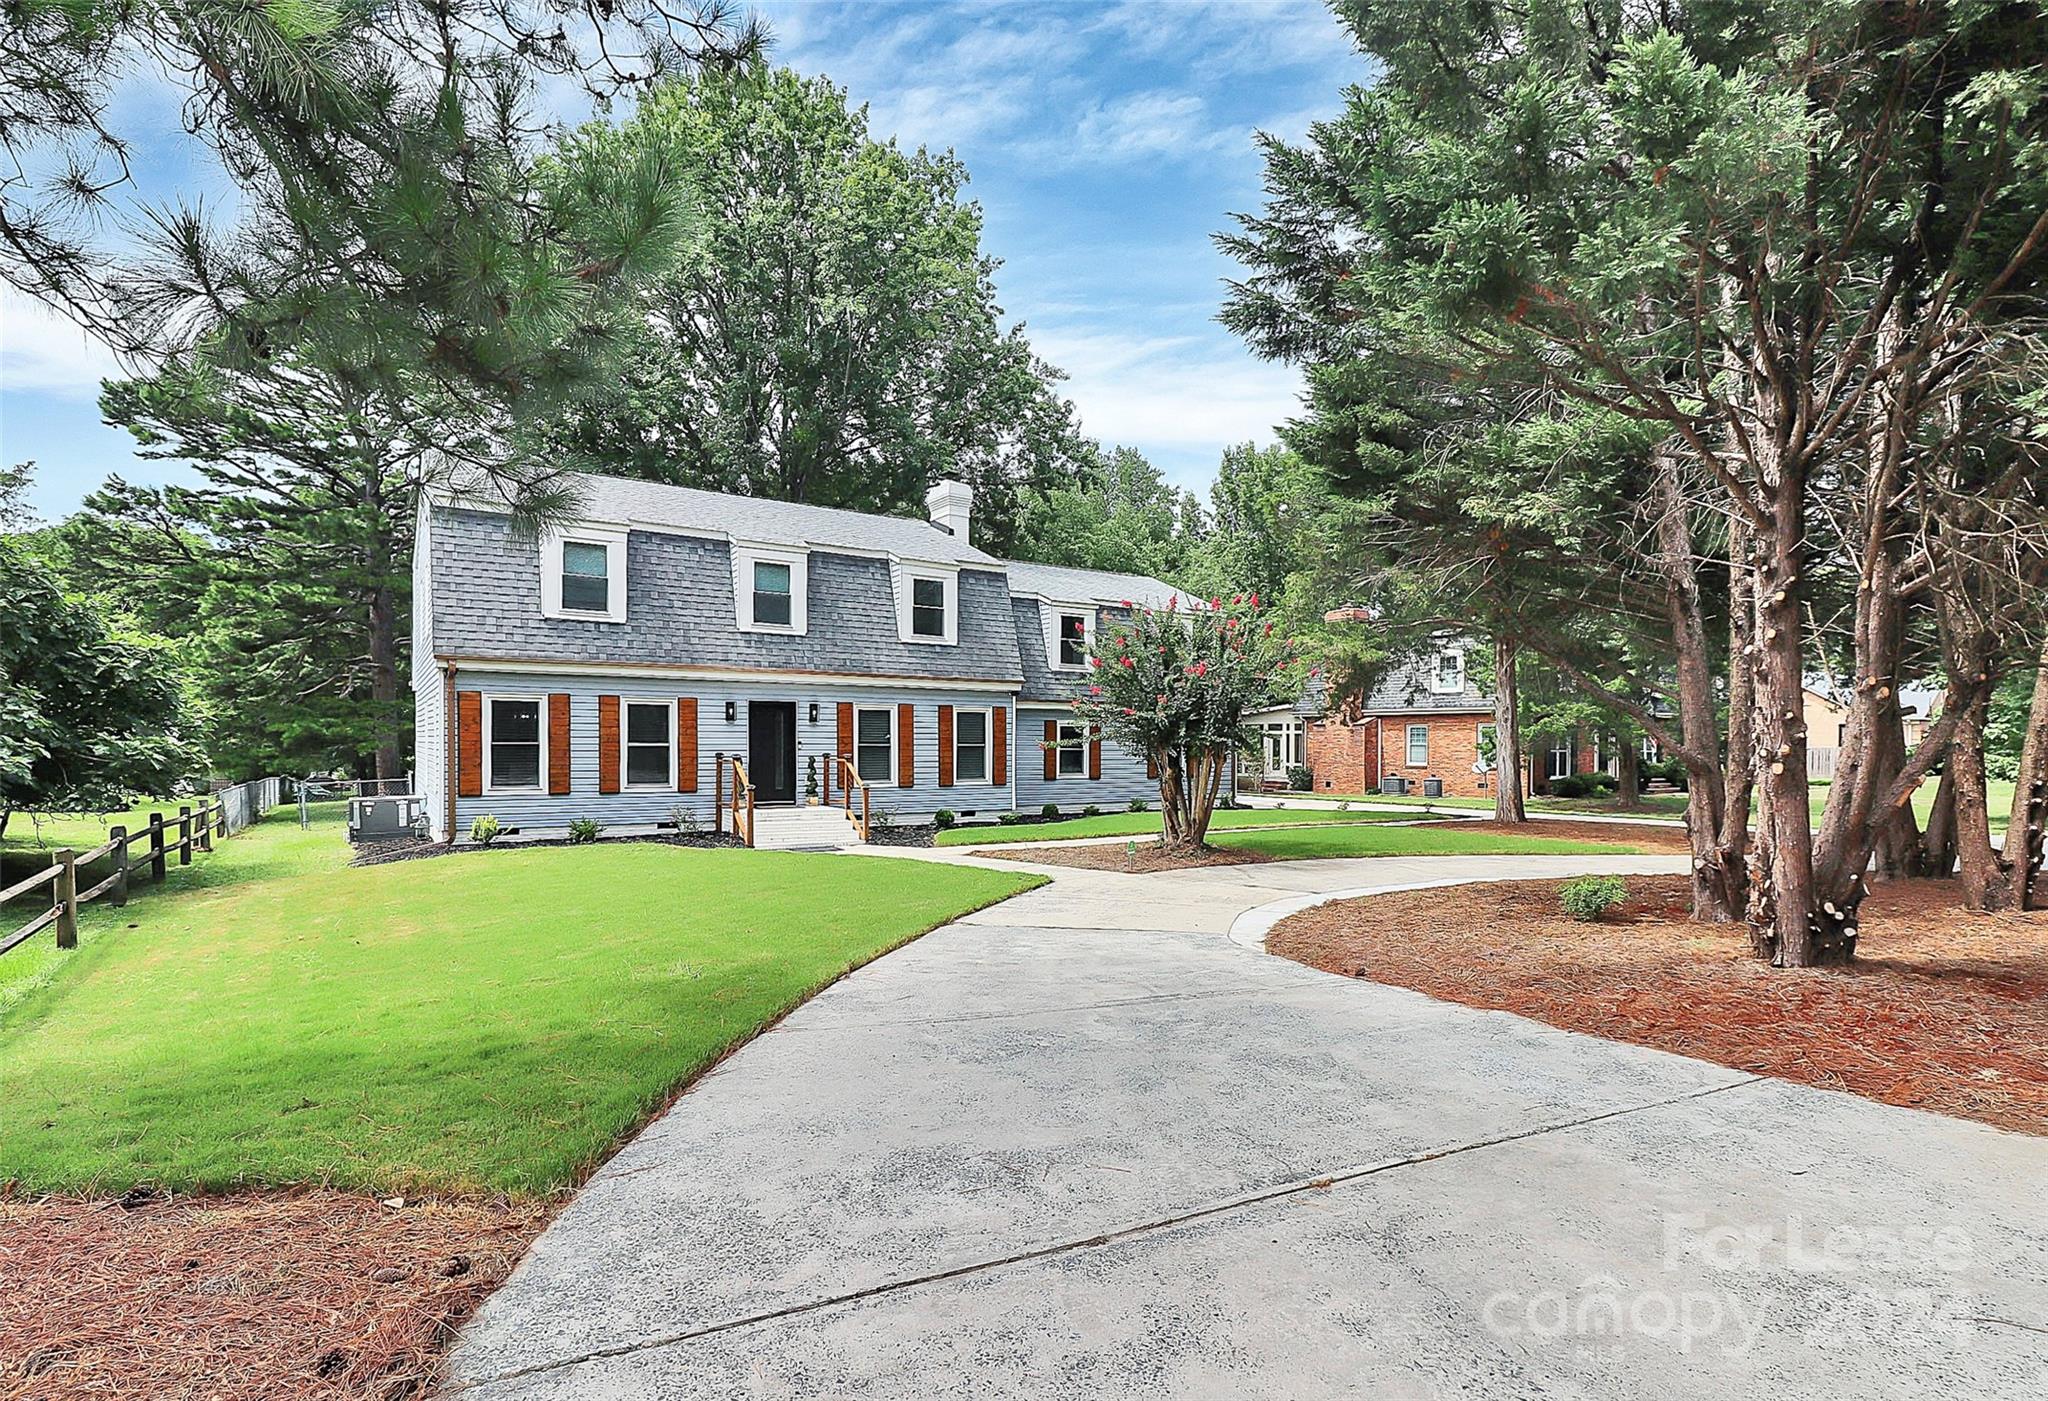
(42, 352)
(1157, 123)
(1169, 392)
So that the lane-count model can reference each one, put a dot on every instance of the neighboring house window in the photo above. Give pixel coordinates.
(1073, 745)
(513, 738)
(1560, 764)
(1449, 677)
(583, 574)
(1653, 752)
(586, 587)
(874, 744)
(928, 607)
(1418, 746)
(771, 594)
(1073, 634)
(649, 744)
(970, 746)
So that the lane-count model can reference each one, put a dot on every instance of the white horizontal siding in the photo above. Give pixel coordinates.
(1123, 773)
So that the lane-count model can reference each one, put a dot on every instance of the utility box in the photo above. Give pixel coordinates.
(1394, 785)
(384, 819)
(1432, 788)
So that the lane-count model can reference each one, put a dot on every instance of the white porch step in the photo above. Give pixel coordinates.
(785, 829)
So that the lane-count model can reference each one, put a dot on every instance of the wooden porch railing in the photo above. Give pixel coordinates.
(849, 780)
(740, 802)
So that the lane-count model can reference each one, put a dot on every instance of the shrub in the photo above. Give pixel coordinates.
(1049, 810)
(1604, 782)
(1299, 778)
(1139, 805)
(682, 819)
(1572, 785)
(1009, 819)
(1091, 811)
(1591, 897)
(585, 829)
(944, 818)
(485, 830)
(882, 820)
(1343, 805)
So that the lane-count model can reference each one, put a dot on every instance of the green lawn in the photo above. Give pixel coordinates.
(1998, 793)
(1314, 843)
(81, 831)
(1134, 824)
(474, 1022)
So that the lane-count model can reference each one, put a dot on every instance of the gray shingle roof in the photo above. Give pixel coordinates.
(756, 519)
(1064, 585)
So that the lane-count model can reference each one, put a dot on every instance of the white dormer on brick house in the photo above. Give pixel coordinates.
(951, 507)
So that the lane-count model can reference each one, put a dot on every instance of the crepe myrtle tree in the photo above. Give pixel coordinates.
(1175, 684)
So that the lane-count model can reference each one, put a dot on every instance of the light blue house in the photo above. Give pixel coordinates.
(615, 667)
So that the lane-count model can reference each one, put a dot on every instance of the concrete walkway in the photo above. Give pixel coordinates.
(1085, 1144)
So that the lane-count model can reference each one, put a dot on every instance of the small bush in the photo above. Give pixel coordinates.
(585, 829)
(1591, 897)
(1009, 819)
(1091, 811)
(1572, 785)
(1343, 805)
(683, 820)
(1049, 810)
(944, 818)
(1299, 778)
(1139, 805)
(485, 830)
(1604, 782)
(882, 820)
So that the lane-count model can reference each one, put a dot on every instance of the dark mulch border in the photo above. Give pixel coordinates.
(418, 849)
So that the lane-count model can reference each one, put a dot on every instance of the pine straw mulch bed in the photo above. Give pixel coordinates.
(1945, 1010)
(254, 1295)
(1118, 856)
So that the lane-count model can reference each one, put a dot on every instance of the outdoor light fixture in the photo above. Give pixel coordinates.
(814, 712)
(732, 711)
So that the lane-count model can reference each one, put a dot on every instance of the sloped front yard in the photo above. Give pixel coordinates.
(1945, 1010)
(478, 1030)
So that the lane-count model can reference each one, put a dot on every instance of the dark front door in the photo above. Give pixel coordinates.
(771, 750)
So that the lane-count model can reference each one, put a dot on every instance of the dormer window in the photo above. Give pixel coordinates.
(1073, 630)
(1449, 677)
(928, 607)
(771, 594)
(585, 568)
(927, 602)
(583, 573)
(769, 584)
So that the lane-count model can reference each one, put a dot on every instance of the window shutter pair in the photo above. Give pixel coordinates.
(469, 744)
(609, 748)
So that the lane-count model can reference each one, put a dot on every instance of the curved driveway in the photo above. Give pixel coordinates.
(1083, 1144)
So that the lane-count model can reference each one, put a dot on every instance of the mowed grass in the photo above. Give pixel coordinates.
(1134, 824)
(82, 831)
(476, 1022)
(1997, 792)
(1321, 843)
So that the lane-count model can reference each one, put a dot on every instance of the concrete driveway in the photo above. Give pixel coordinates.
(1084, 1144)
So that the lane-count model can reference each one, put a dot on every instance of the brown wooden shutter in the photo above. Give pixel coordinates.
(607, 744)
(999, 746)
(1052, 750)
(686, 744)
(558, 742)
(469, 743)
(945, 746)
(846, 731)
(1094, 752)
(906, 746)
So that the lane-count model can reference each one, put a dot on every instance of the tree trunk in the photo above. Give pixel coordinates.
(1507, 734)
(1938, 842)
(1986, 882)
(2023, 831)
(1628, 793)
(384, 684)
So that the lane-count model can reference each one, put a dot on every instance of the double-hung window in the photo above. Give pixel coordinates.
(1073, 635)
(772, 594)
(515, 752)
(586, 577)
(928, 607)
(1560, 758)
(874, 743)
(650, 747)
(970, 746)
(1450, 672)
(1418, 746)
(1072, 741)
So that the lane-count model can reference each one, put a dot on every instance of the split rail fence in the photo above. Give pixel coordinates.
(165, 839)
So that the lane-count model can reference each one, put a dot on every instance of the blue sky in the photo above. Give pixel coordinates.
(1106, 143)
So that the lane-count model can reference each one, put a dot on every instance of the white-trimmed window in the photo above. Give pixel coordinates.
(515, 752)
(1073, 629)
(1559, 758)
(1447, 677)
(874, 743)
(1418, 746)
(927, 602)
(1072, 741)
(1653, 752)
(583, 574)
(769, 587)
(970, 746)
(647, 743)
